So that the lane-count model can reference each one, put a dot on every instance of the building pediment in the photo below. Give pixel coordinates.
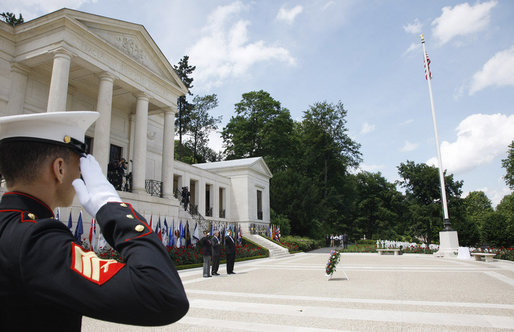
(133, 41)
(256, 164)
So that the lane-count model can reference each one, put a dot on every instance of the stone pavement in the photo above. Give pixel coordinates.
(384, 293)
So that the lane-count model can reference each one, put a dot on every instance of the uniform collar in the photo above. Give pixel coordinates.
(26, 202)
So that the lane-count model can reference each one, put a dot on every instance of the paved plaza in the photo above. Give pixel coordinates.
(384, 293)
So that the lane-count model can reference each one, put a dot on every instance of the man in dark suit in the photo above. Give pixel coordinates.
(48, 281)
(230, 251)
(216, 252)
(206, 244)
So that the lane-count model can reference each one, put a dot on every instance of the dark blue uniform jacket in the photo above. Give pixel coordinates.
(48, 281)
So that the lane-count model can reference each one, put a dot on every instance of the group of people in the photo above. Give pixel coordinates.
(116, 173)
(211, 251)
(337, 240)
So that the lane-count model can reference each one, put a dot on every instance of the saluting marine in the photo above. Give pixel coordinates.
(47, 280)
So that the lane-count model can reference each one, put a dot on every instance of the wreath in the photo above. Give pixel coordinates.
(334, 258)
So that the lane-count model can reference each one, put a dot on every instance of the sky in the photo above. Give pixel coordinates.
(366, 54)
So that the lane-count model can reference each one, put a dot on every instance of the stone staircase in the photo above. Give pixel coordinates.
(275, 251)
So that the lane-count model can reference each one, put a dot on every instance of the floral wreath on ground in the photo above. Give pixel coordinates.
(334, 258)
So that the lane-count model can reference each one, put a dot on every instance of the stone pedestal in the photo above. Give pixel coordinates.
(449, 244)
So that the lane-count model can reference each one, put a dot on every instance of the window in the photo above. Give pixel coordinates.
(259, 204)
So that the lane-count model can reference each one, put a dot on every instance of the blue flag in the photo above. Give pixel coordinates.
(173, 234)
(69, 223)
(79, 230)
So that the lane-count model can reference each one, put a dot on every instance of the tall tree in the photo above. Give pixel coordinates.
(508, 164)
(477, 208)
(260, 128)
(329, 149)
(11, 19)
(184, 71)
(379, 207)
(423, 194)
(201, 125)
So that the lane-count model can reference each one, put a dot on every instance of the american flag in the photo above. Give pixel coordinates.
(427, 64)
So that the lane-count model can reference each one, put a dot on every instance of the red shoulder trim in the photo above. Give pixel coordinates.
(32, 198)
(91, 267)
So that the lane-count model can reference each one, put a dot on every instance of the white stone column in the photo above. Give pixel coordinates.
(139, 171)
(102, 139)
(168, 151)
(59, 82)
(18, 88)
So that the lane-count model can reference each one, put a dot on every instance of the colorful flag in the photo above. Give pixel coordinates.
(150, 223)
(79, 230)
(158, 230)
(179, 231)
(196, 235)
(170, 236)
(427, 65)
(101, 241)
(188, 235)
(183, 236)
(92, 234)
(70, 226)
(173, 235)
(165, 232)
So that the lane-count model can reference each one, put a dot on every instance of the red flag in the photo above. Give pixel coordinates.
(427, 64)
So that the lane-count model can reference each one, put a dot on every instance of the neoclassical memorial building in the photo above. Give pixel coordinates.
(70, 60)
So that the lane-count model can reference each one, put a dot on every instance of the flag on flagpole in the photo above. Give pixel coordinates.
(92, 234)
(150, 223)
(196, 235)
(158, 230)
(188, 235)
(165, 233)
(183, 236)
(427, 64)
(101, 241)
(79, 230)
(172, 234)
(70, 226)
(178, 234)
(58, 214)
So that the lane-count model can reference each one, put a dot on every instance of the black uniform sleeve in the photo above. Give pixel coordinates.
(143, 290)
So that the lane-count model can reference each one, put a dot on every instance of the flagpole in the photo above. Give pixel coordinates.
(446, 221)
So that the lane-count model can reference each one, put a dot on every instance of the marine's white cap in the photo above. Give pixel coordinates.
(62, 128)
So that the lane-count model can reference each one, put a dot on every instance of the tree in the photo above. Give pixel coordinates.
(260, 128)
(11, 19)
(184, 71)
(423, 195)
(201, 123)
(329, 149)
(379, 206)
(508, 164)
(477, 207)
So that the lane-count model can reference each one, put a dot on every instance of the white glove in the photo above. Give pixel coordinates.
(95, 191)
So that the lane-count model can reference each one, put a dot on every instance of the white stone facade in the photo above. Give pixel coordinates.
(70, 60)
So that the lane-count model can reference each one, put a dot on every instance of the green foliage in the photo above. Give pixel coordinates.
(11, 19)
(201, 124)
(303, 243)
(282, 221)
(423, 197)
(508, 164)
(379, 207)
(184, 72)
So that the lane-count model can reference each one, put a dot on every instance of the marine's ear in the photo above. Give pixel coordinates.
(58, 169)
